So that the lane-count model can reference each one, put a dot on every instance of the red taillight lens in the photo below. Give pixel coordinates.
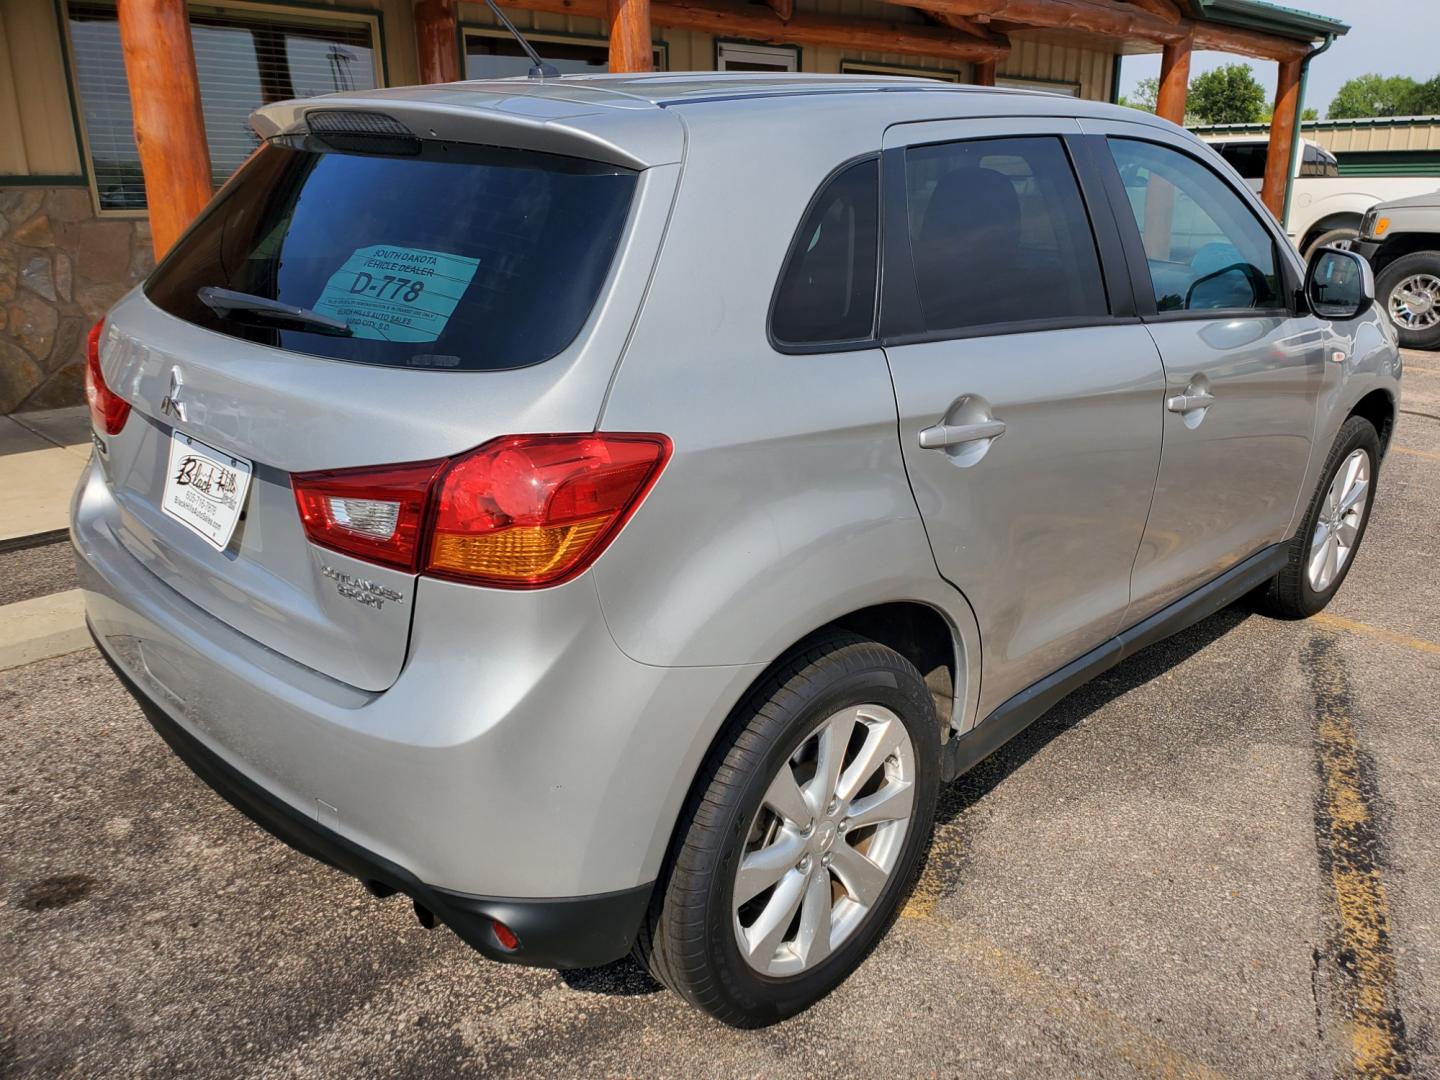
(520, 512)
(375, 514)
(532, 510)
(108, 410)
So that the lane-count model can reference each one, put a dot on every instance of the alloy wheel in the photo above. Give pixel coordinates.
(1415, 302)
(1338, 527)
(825, 841)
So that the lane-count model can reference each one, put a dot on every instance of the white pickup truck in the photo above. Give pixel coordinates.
(1325, 207)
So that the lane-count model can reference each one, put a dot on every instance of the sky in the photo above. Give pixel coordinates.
(1391, 37)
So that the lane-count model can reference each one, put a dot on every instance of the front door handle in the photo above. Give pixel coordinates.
(1184, 403)
(942, 435)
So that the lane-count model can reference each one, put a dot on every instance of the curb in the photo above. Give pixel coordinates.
(42, 627)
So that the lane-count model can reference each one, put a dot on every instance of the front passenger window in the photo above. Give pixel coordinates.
(1205, 249)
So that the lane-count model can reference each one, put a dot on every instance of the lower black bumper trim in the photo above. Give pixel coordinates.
(567, 932)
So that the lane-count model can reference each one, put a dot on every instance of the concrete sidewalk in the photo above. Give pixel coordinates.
(41, 457)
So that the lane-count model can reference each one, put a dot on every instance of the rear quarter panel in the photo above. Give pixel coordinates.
(786, 504)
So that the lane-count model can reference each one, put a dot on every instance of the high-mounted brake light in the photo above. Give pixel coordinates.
(523, 511)
(108, 410)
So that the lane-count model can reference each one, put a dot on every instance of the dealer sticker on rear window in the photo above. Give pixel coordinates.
(388, 293)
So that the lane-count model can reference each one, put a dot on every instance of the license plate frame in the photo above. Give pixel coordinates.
(205, 489)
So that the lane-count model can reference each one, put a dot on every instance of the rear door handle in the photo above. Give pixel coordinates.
(942, 435)
(1183, 403)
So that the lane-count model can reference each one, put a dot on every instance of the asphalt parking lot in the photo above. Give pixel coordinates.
(1221, 859)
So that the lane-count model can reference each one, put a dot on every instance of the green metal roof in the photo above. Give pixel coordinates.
(1268, 18)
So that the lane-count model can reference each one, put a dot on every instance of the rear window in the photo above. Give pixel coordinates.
(444, 256)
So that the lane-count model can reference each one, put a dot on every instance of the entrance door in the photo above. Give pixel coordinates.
(1216, 284)
(1029, 396)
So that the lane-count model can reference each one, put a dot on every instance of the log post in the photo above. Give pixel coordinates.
(630, 48)
(1174, 82)
(169, 125)
(1282, 138)
(435, 41)
(985, 73)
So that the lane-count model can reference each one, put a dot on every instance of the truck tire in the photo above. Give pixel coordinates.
(1408, 292)
(1342, 237)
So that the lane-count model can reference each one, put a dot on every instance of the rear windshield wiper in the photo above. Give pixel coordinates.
(227, 303)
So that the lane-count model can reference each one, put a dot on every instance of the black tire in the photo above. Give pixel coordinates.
(1402, 269)
(1290, 594)
(689, 941)
(1330, 237)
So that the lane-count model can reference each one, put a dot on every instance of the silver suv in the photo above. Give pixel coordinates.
(606, 509)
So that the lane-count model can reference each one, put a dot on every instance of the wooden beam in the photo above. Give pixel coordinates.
(436, 41)
(1233, 39)
(958, 22)
(784, 9)
(1282, 139)
(630, 48)
(1089, 16)
(1114, 19)
(985, 73)
(762, 25)
(1174, 82)
(165, 104)
(1161, 9)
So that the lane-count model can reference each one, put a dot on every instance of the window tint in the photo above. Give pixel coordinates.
(450, 256)
(827, 289)
(999, 233)
(1205, 249)
(243, 59)
(1247, 159)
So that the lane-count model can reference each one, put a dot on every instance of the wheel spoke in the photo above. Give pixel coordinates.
(862, 879)
(1317, 556)
(881, 739)
(1349, 529)
(764, 935)
(1332, 559)
(761, 869)
(834, 741)
(891, 803)
(813, 940)
(1353, 495)
(787, 800)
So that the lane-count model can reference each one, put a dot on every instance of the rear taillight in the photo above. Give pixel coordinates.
(374, 514)
(108, 410)
(524, 511)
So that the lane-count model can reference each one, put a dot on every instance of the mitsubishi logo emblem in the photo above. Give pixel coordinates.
(172, 403)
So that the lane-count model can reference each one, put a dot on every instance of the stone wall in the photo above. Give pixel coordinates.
(61, 268)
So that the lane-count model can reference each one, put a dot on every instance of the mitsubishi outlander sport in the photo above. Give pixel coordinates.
(606, 509)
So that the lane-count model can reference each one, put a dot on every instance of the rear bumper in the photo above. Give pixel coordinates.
(520, 753)
(570, 932)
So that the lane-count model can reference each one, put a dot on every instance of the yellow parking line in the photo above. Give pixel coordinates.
(1416, 453)
(1348, 839)
(1378, 633)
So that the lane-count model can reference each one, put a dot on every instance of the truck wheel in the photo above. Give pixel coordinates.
(1342, 237)
(1408, 291)
(802, 836)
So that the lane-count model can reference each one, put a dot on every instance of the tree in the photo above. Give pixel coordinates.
(1380, 95)
(1426, 99)
(1227, 95)
(1147, 92)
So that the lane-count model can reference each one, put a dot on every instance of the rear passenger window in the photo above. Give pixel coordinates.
(1205, 249)
(999, 234)
(827, 288)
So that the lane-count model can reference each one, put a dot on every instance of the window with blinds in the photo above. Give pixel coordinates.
(244, 60)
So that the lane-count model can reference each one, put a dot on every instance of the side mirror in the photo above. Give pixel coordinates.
(1339, 284)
